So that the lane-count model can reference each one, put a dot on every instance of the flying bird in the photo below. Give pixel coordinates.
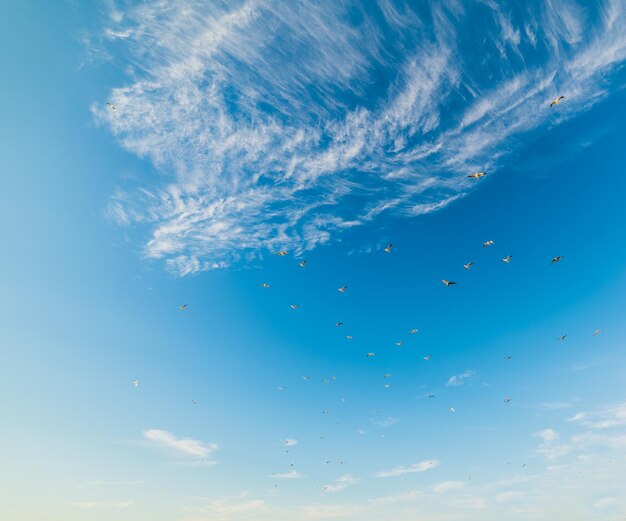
(400, 343)
(294, 306)
(349, 337)
(183, 307)
(387, 375)
(387, 386)
(447, 282)
(369, 355)
(281, 388)
(468, 265)
(507, 399)
(508, 357)
(413, 331)
(562, 337)
(281, 253)
(452, 410)
(342, 289)
(388, 248)
(136, 383)
(303, 263)
(193, 402)
(111, 107)
(507, 259)
(265, 285)
(428, 357)
(432, 396)
(557, 101)
(556, 259)
(306, 378)
(597, 332)
(476, 175)
(487, 243)
(339, 324)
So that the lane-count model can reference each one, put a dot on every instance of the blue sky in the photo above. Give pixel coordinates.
(330, 130)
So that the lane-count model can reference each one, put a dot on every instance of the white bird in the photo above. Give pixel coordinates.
(452, 410)
(339, 324)
(303, 263)
(487, 243)
(281, 253)
(507, 259)
(111, 107)
(557, 101)
(294, 306)
(183, 307)
(597, 332)
(428, 357)
(349, 337)
(399, 343)
(369, 355)
(387, 386)
(447, 282)
(507, 399)
(281, 388)
(468, 265)
(387, 375)
(563, 337)
(265, 285)
(136, 383)
(342, 289)
(413, 331)
(306, 378)
(556, 259)
(388, 248)
(476, 175)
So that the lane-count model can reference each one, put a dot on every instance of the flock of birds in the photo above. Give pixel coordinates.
(388, 250)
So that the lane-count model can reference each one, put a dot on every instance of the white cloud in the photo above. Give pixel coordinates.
(342, 483)
(187, 446)
(422, 466)
(510, 495)
(460, 379)
(386, 422)
(607, 502)
(264, 124)
(547, 435)
(292, 474)
(447, 486)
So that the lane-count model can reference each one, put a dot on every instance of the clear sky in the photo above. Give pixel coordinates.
(328, 130)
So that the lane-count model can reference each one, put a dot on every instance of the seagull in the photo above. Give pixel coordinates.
(468, 265)
(342, 289)
(281, 253)
(413, 331)
(193, 402)
(387, 375)
(428, 357)
(507, 399)
(183, 307)
(111, 107)
(136, 383)
(294, 306)
(562, 337)
(508, 357)
(557, 101)
(447, 282)
(507, 259)
(369, 355)
(388, 248)
(339, 324)
(487, 243)
(386, 386)
(400, 343)
(303, 263)
(556, 259)
(325, 411)
(432, 396)
(281, 388)
(476, 175)
(597, 332)
(349, 337)
(452, 410)
(265, 285)
(306, 378)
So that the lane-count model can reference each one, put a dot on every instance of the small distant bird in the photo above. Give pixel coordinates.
(388, 248)
(508, 357)
(556, 259)
(387, 375)
(487, 243)
(468, 265)
(507, 259)
(447, 282)
(369, 355)
(413, 331)
(294, 306)
(432, 396)
(476, 175)
(349, 337)
(193, 402)
(111, 107)
(306, 378)
(562, 337)
(399, 343)
(136, 383)
(428, 357)
(325, 412)
(557, 101)
(281, 388)
(342, 289)
(183, 307)
(387, 386)
(281, 253)
(597, 332)
(265, 285)
(452, 410)
(339, 324)
(507, 399)
(303, 263)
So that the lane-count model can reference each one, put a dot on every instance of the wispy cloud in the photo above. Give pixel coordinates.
(448, 486)
(292, 474)
(460, 379)
(272, 123)
(342, 483)
(187, 446)
(422, 466)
